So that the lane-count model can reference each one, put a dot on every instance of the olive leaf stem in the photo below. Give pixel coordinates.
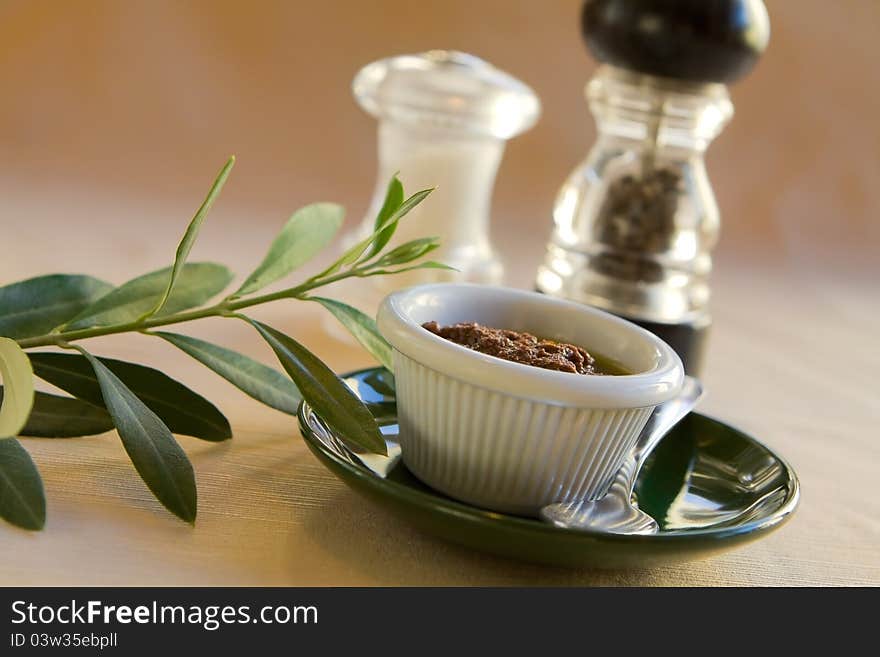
(222, 309)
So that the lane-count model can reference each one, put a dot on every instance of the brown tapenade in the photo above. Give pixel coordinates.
(518, 347)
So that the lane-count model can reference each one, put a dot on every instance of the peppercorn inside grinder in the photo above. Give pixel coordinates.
(636, 221)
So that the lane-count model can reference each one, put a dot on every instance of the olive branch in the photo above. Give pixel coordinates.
(147, 407)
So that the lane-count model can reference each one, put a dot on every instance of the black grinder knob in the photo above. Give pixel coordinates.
(693, 40)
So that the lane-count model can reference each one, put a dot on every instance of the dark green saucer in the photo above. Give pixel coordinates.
(709, 486)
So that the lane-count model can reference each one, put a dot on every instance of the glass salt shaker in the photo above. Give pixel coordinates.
(444, 118)
(636, 221)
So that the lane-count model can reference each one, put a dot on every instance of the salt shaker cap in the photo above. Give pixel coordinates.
(447, 89)
(693, 40)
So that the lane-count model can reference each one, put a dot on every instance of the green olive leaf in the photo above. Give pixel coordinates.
(253, 378)
(54, 416)
(196, 284)
(409, 251)
(189, 236)
(382, 382)
(157, 457)
(354, 253)
(361, 326)
(304, 235)
(338, 406)
(22, 499)
(181, 409)
(393, 200)
(430, 264)
(18, 384)
(37, 305)
(386, 230)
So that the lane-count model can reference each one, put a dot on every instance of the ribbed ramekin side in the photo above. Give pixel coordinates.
(502, 452)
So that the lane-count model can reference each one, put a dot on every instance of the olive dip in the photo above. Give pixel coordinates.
(522, 348)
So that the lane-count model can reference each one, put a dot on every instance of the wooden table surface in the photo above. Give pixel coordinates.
(793, 360)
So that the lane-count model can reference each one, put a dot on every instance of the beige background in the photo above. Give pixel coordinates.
(148, 97)
(115, 115)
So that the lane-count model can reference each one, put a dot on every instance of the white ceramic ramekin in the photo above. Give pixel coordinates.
(512, 437)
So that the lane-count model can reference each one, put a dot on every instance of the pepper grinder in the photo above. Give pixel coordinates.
(636, 221)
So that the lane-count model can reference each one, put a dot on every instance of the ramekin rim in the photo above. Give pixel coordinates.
(641, 389)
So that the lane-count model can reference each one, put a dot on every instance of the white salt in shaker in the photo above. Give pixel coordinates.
(444, 118)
